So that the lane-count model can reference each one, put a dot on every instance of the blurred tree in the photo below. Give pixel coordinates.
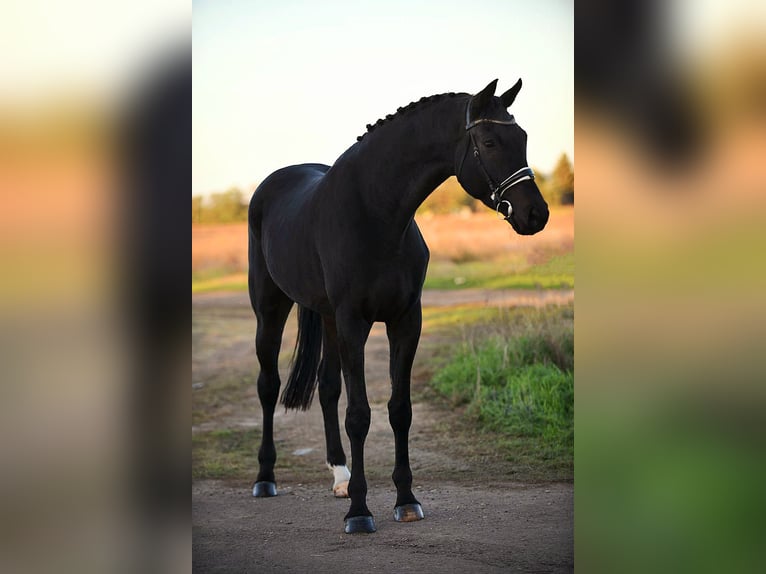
(225, 207)
(197, 208)
(543, 182)
(449, 197)
(560, 188)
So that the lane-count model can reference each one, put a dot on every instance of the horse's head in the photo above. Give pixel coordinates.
(491, 161)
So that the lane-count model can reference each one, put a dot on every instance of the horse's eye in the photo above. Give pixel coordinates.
(489, 143)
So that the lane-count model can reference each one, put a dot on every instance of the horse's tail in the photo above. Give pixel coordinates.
(305, 363)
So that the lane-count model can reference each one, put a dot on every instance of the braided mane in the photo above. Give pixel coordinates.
(405, 109)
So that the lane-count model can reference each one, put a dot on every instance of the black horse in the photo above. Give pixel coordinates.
(342, 242)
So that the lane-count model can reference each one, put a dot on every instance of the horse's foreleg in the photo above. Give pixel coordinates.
(352, 336)
(329, 393)
(403, 337)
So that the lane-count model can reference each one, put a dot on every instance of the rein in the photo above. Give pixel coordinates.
(497, 189)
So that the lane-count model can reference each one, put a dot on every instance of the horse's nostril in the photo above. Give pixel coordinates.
(537, 217)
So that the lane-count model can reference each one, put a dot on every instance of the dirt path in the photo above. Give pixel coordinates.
(478, 519)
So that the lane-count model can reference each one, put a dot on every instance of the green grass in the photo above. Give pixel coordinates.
(460, 316)
(209, 282)
(513, 375)
(556, 273)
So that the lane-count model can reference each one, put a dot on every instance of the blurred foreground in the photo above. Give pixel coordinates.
(94, 157)
(671, 318)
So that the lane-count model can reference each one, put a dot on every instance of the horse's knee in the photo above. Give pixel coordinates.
(267, 352)
(358, 421)
(400, 413)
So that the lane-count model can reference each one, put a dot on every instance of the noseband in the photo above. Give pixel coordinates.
(497, 189)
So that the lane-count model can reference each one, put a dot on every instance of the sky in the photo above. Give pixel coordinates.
(294, 81)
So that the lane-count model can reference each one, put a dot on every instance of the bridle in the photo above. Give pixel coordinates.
(497, 189)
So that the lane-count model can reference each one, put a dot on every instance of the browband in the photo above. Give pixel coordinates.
(469, 124)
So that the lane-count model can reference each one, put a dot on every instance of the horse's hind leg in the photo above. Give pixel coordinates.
(329, 393)
(403, 337)
(271, 308)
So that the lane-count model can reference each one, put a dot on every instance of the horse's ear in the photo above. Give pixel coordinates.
(508, 97)
(483, 97)
(480, 100)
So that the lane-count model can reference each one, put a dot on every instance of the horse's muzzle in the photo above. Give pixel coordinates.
(532, 222)
(537, 218)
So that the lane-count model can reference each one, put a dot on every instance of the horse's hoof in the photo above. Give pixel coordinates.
(408, 513)
(264, 489)
(341, 490)
(360, 525)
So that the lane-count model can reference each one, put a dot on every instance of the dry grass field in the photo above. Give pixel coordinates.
(482, 236)
(219, 248)
(461, 245)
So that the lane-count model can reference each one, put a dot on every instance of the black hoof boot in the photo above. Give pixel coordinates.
(408, 513)
(264, 489)
(360, 525)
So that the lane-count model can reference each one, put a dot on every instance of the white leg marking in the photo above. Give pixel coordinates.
(341, 476)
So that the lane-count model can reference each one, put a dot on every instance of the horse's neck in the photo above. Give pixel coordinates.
(404, 161)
